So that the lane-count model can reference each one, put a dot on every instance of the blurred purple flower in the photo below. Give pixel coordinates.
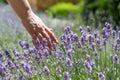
(46, 53)
(26, 54)
(17, 54)
(80, 28)
(46, 71)
(65, 75)
(95, 34)
(68, 62)
(58, 70)
(1, 57)
(115, 59)
(113, 33)
(118, 41)
(3, 70)
(11, 65)
(88, 66)
(33, 50)
(119, 34)
(67, 30)
(24, 44)
(88, 29)
(26, 68)
(106, 70)
(101, 76)
(78, 44)
(7, 54)
(107, 26)
(75, 37)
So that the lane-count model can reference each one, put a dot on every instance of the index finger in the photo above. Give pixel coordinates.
(52, 36)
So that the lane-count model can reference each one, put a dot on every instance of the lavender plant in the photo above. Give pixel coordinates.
(94, 55)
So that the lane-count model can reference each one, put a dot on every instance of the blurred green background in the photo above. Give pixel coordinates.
(95, 12)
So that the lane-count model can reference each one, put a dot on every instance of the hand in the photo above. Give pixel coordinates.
(38, 30)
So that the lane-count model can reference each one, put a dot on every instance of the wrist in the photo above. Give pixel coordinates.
(27, 16)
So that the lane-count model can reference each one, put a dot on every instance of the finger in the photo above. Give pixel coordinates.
(48, 39)
(40, 38)
(52, 36)
(34, 38)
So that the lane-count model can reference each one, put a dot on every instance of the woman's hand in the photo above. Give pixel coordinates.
(38, 30)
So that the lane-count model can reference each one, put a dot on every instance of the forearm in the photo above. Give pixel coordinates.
(21, 7)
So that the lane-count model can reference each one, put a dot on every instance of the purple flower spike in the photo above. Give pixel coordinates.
(114, 33)
(118, 41)
(2, 69)
(101, 76)
(107, 26)
(26, 54)
(17, 54)
(115, 59)
(68, 62)
(88, 29)
(88, 58)
(75, 37)
(24, 44)
(58, 69)
(78, 44)
(67, 30)
(80, 28)
(96, 34)
(90, 39)
(119, 34)
(65, 74)
(1, 57)
(11, 65)
(88, 66)
(46, 71)
(7, 54)
(69, 53)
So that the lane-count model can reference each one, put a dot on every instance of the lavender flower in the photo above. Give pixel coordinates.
(115, 59)
(33, 50)
(78, 44)
(46, 53)
(3, 70)
(101, 76)
(95, 34)
(80, 28)
(1, 57)
(46, 71)
(17, 54)
(67, 30)
(58, 70)
(88, 66)
(106, 70)
(119, 34)
(26, 68)
(113, 33)
(107, 26)
(11, 65)
(75, 37)
(95, 54)
(82, 40)
(24, 44)
(69, 53)
(118, 41)
(90, 39)
(65, 75)
(88, 29)
(7, 54)
(26, 54)
(68, 62)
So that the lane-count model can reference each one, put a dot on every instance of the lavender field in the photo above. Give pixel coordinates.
(83, 52)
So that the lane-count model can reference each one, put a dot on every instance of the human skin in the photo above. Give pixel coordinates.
(32, 23)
